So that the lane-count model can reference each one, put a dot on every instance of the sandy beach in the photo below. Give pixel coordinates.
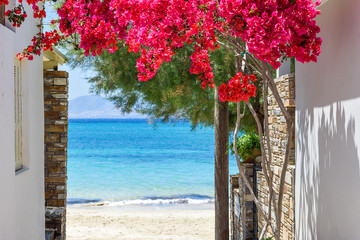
(176, 222)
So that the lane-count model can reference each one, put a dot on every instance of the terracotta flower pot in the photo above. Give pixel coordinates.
(251, 159)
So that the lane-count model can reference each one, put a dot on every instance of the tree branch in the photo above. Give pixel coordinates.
(264, 158)
(241, 170)
(263, 231)
(228, 47)
(269, 148)
(289, 128)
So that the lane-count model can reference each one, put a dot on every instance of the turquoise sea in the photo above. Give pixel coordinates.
(129, 161)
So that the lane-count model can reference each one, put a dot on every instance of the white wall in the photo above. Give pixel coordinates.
(328, 129)
(22, 215)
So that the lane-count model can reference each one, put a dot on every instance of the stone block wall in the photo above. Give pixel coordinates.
(278, 135)
(243, 210)
(288, 214)
(55, 221)
(56, 127)
(234, 208)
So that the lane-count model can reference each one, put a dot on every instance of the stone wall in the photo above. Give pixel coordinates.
(56, 127)
(235, 231)
(242, 208)
(278, 135)
(288, 214)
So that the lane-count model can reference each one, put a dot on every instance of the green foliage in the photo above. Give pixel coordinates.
(292, 65)
(269, 238)
(248, 146)
(174, 93)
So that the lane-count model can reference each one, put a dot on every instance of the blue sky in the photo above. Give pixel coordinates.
(78, 84)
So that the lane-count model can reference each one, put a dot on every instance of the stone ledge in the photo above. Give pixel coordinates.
(234, 180)
(54, 212)
(61, 74)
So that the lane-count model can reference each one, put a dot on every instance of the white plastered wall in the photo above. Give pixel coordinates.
(328, 129)
(22, 204)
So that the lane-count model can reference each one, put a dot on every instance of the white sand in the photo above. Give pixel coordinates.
(175, 222)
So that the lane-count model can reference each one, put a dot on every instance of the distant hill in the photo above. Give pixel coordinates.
(93, 106)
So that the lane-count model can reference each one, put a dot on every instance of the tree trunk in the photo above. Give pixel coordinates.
(221, 123)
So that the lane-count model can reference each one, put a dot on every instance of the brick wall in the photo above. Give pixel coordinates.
(56, 126)
(278, 135)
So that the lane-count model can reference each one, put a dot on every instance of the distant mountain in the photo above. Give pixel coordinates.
(93, 106)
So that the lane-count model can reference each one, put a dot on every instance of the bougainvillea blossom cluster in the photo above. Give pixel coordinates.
(16, 16)
(201, 65)
(239, 88)
(271, 29)
(42, 41)
(159, 27)
(149, 63)
(13, 14)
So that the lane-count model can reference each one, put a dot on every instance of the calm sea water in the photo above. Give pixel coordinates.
(122, 160)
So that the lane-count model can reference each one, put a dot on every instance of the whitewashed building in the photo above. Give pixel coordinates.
(22, 211)
(328, 129)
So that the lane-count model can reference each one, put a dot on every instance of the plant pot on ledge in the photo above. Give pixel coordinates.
(251, 158)
(248, 146)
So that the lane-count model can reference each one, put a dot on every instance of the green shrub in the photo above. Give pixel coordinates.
(248, 146)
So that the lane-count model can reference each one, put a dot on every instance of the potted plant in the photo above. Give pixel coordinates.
(248, 146)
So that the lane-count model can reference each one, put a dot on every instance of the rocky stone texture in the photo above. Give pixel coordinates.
(235, 232)
(278, 135)
(55, 221)
(242, 210)
(56, 126)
